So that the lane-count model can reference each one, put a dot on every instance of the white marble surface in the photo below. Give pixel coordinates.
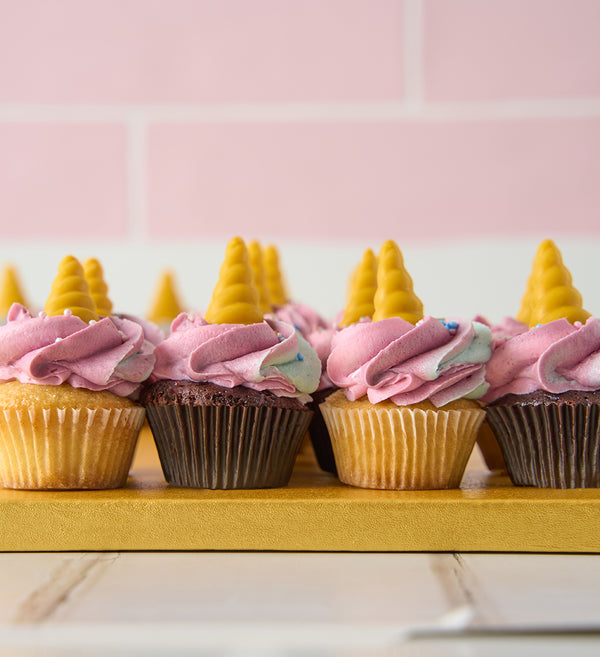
(314, 605)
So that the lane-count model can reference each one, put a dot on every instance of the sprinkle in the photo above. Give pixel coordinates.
(577, 324)
(68, 312)
(279, 336)
(92, 321)
(452, 326)
(42, 314)
(296, 327)
(299, 356)
(58, 340)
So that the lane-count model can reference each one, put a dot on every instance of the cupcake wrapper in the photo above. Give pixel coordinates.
(227, 447)
(490, 450)
(549, 445)
(72, 448)
(402, 449)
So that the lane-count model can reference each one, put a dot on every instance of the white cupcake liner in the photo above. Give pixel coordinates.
(69, 448)
(401, 448)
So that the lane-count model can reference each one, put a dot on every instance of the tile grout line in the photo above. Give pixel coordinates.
(44, 602)
(412, 108)
(458, 585)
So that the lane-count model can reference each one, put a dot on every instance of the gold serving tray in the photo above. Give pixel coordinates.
(314, 513)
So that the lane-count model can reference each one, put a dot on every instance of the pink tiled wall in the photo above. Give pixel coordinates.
(319, 118)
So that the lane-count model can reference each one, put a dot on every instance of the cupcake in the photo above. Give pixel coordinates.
(227, 401)
(543, 402)
(405, 416)
(68, 380)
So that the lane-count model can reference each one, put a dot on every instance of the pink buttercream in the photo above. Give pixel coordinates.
(392, 359)
(555, 357)
(267, 356)
(306, 319)
(320, 340)
(110, 354)
(507, 328)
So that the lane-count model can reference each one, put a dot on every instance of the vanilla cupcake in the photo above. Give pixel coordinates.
(405, 416)
(67, 419)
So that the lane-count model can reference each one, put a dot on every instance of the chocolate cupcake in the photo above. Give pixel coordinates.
(227, 405)
(544, 392)
(210, 436)
(550, 440)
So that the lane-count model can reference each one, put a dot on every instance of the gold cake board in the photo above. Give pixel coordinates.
(314, 513)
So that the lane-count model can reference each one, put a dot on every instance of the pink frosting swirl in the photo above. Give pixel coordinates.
(555, 357)
(320, 340)
(110, 354)
(301, 316)
(392, 359)
(507, 328)
(270, 356)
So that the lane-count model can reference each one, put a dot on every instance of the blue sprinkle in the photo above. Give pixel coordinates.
(452, 326)
(296, 327)
(299, 356)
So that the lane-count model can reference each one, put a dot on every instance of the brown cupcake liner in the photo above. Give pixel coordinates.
(319, 435)
(403, 448)
(490, 449)
(227, 447)
(549, 445)
(72, 448)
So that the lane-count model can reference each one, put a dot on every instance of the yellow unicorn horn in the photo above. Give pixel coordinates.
(395, 296)
(553, 295)
(275, 284)
(94, 275)
(260, 280)
(235, 298)
(70, 291)
(362, 290)
(10, 290)
(165, 306)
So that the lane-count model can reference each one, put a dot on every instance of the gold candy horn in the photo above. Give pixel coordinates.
(277, 292)
(553, 295)
(94, 275)
(165, 305)
(10, 290)
(70, 291)
(395, 296)
(362, 290)
(257, 264)
(235, 297)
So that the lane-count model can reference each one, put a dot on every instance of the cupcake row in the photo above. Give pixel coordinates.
(392, 398)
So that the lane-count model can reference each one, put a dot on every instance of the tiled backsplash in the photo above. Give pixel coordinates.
(328, 121)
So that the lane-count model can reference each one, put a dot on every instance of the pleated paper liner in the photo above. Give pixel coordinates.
(490, 449)
(319, 436)
(72, 448)
(401, 448)
(227, 447)
(549, 445)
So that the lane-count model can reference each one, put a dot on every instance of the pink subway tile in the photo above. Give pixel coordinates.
(478, 50)
(199, 50)
(62, 181)
(375, 180)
